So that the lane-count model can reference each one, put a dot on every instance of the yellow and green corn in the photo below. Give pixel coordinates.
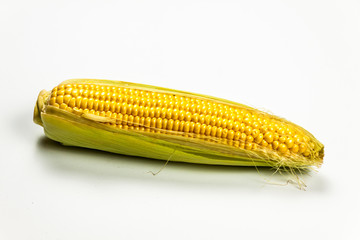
(154, 122)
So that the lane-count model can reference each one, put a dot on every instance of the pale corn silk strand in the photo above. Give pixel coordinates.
(165, 164)
(194, 119)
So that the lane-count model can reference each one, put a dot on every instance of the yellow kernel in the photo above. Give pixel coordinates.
(224, 123)
(224, 133)
(52, 100)
(213, 120)
(248, 146)
(90, 104)
(148, 122)
(266, 121)
(113, 115)
(264, 143)
(302, 147)
(142, 121)
(146, 111)
(197, 128)
(164, 123)
(181, 115)
(269, 137)
(297, 139)
(281, 131)
(112, 106)
(123, 109)
(202, 119)
(237, 135)
(187, 127)
(85, 93)
(213, 131)
(236, 126)
(259, 138)
(275, 145)
(248, 130)
(207, 119)
(254, 146)
(107, 105)
(102, 107)
(67, 99)
(175, 114)
(78, 101)
(54, 93)
(255, 125)
(96, 105)
(77, 110)
(230, 135)
(63, 106)
(140, 109)
(289, 142)
(306, 153)
(219, 132)
(170, 124)
(60, 99)
(243, 137)
(263, 129)
(159, 123)
(289, 131)
(208, 130)
(60, 92)
(295, 148)
(188, 116)
(84, 103)
(282, 148)
(152, 112)
(113, 96)
(249, 138)
(153, 122)
(195, 117)
(276, 136)
(108, 95)
(255, 132)
(108, 114)
(96, 95)
(157, 111)
(282, 139)
(102, 96)
(203, 129)
(178, 125)
(248, 121)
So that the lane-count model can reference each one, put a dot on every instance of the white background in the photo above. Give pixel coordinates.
(297, 59)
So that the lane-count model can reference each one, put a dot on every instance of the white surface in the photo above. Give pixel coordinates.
(299, 59)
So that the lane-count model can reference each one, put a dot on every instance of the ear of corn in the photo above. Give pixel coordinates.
(153, 122)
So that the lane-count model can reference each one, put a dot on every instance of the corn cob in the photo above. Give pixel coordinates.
(153, 122)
